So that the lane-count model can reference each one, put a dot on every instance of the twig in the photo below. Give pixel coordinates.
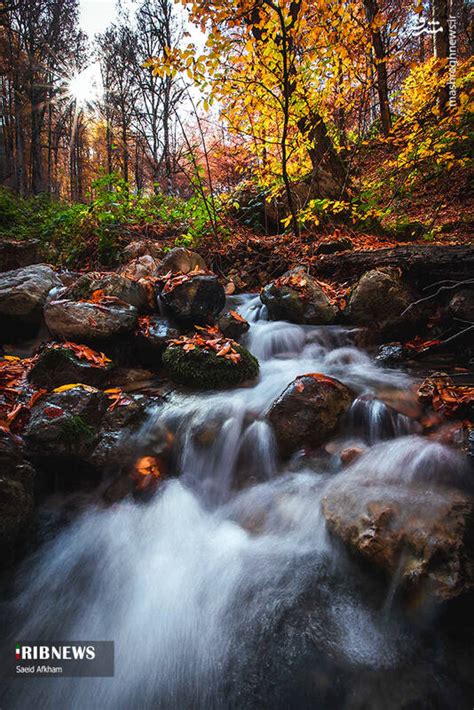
(436, 293)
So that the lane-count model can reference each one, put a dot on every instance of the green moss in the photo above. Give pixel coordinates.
(75, 431)
(203, 369)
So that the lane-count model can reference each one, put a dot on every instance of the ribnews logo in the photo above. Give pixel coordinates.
(67, 658)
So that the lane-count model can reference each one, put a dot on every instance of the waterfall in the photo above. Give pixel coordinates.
(226, 590)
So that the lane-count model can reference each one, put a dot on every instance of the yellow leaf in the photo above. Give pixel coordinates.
(64, 388)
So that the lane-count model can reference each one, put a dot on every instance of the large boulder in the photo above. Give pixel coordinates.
(380, 300)
(23, 293)
(62, 364)
(195, 300)
(83, 321)
(16, 496)
(64, 426)
(422, 535)
(296, 297)
(182, 260)
(198, 365)
(112, 284)
(308, 412)
(151, 339)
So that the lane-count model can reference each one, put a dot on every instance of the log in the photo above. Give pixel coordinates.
(421, 264)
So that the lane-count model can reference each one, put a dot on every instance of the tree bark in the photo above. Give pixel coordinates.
(372, 10)
(423, 264)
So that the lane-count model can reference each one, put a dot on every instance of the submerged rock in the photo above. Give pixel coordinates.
(197, 300)
(407, 506)
(182, 260)
(422, 536)
(16, 496)
(296, 297)
(379, 300)
(23, 293)
(201, 367)
(60, 365)
(111, 284)
(117, 446)
(83, 321)
(308, 411)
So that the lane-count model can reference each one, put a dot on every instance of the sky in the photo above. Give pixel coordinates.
(96, 15)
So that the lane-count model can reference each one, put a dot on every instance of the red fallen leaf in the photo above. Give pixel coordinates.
(237, 316)
(147, 472)
(224, 350)
(445, 396)
(418, 344)
(82, 352)
(322, 378)
(53, 412)
(35, 396)
(188, 347)
(97, 296)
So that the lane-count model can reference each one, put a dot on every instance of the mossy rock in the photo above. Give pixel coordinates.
(60, 366)
(203, 369)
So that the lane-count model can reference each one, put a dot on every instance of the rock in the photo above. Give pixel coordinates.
(61, 365)
(117, 447)
(144, 247)
(112, 284)
(462, 305)
(140, 268)
(16, 496)
(89, 322)
(143, 450)
(296, 297)
(351, 454)
(14, 254)
(390, 354)
(308, 412)
(197, 300)
(332, 246)
(422, 536)
(151, 339)
(232, 325)
(130, 378)
(65, 425)
(204, 369)
(379, 299)
(182, 260)
(23, 293)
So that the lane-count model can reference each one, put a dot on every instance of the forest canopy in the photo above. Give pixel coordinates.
(270, 114)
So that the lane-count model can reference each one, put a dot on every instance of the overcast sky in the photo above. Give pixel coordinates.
(96, 15)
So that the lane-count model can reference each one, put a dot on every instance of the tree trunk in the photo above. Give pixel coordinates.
(440, 14)
(372, 10)
(36, 157)
(423, 264)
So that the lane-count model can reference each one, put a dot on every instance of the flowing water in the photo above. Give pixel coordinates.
(222, 594)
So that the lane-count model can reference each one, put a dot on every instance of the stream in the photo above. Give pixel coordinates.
(226, 589)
